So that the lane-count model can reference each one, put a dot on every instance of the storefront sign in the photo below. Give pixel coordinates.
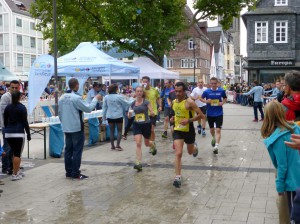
(282, 63)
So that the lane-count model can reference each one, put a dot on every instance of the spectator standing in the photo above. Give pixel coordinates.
(15, 122)
(92, 92)
(291, 102)
(7, 161)
(114, 107)
(70, 109)
(2, 84)
(276, 131)
(258, 92)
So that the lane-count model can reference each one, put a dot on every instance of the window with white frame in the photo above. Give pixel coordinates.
(170, 63)
(2, 58)
(32, 42)
(261, 32)
(281, 2)
(20, 60)
(188, 63)
(19, 40)
(185, 63)
(280, 31)
(191, 44)
(32, 59)
(32, 25)
(18, 22)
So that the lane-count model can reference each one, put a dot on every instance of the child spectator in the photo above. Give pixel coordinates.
(276, 130)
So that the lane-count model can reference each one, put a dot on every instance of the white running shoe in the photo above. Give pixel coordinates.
(21, 173)
(16, 177)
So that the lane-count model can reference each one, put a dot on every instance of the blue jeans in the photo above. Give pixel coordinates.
(73, 153)
(258, 105)
(7, 161)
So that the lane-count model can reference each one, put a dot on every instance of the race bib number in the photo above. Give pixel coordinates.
(215, 102)
(140, 117)
(180, 126)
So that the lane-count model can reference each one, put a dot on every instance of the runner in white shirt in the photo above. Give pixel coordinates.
(195, 95)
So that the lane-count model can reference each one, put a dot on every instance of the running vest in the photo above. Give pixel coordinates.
(181, 113)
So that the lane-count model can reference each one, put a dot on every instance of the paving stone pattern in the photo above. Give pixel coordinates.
(234, 187)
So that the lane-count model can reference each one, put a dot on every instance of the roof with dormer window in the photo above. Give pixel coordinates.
(20, 6)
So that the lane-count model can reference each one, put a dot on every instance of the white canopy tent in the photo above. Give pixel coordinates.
(151, 69)
(85, 61)
(88, 60)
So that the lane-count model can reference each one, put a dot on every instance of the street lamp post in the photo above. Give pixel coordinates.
(55, 57)
(194, 51)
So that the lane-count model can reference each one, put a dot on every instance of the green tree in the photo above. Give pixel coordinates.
(144, 27)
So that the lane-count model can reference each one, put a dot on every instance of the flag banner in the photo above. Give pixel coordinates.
(40, 73)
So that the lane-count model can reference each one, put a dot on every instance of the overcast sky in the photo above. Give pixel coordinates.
(243, 42)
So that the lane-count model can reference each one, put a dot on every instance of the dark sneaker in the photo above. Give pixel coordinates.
(153, 149)
(177, 182)
(203, 133)
(68, 176)
(216, 150)
(195, 154)
(199, 129)
(164, 135)
(138, 167)
(81, 177)
(255, 120)
(213, 142)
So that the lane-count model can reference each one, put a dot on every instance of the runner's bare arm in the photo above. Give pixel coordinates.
(193, 106)
(159, 104)
(204, 100)
(224, 100)
(151, 110)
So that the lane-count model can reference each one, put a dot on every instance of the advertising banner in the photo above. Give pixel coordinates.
(40, 73)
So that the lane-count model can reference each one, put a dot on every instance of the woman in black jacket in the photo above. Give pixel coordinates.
(15, 122)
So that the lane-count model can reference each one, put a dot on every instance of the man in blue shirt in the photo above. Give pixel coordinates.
(165, 95)
(214, 98)
(258, 92)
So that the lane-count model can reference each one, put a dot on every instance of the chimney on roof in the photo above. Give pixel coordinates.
(203, 26)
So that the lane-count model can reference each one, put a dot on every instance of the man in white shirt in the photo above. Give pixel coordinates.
(195, 95)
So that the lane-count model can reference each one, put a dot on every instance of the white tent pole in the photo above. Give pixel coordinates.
(110, 77)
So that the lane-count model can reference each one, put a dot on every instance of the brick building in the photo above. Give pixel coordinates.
(273, 39)
(192, 45)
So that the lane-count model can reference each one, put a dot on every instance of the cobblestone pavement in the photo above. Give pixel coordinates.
(235, 186)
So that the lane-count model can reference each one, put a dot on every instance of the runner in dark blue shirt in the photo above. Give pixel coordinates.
(214, 98)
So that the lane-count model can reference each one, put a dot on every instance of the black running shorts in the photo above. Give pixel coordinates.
(215, 120)
(188, 137)
(142, 129)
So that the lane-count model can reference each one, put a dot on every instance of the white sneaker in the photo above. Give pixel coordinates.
(16, 177)
(21, 173)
